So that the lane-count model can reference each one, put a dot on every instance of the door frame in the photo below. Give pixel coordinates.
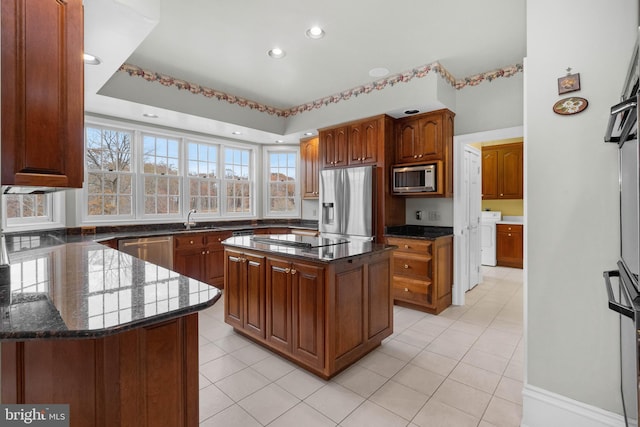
(460, 200)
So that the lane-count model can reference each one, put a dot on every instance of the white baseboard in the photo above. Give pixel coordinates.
(542, 408)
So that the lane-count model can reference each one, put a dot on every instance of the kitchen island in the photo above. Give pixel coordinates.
(321, 303)
(111, 335)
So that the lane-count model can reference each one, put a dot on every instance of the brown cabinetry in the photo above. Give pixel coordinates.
(142, 377)
(201, 256)
(364, 138)
(333, 147)
(509, 245)
(310, 168)
(428, 138)
(423, 273)
(323, 317)
(502, 171)
(42, 81)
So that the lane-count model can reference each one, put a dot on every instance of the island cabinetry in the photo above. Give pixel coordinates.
(509, 246)
(201, 256)
(502, 171)
(295, 309)
(322, 316)
(42, 93)
(244, 301)
(423, 273)
(309, 168)
(143, 377)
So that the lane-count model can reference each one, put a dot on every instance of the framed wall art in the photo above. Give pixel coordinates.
(569, 83)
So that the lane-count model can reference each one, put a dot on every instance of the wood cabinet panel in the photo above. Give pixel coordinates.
(255, 295)
(144, 377)
(333, 144)
(430, 139)
(279, 304)
(308, 314)
(349, 306)
(364, 138)
(310, 168)
(42, 81)
(509, 245)
(234, 289)
(502, 171)
(380, 309)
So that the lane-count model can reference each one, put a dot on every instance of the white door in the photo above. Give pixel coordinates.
(473, 216)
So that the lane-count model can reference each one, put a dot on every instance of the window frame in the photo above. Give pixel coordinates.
(267, 150)
(55, 218)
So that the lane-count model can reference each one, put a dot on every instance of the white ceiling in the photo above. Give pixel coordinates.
(223, 45)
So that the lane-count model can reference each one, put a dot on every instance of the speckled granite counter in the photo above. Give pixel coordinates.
(86, 290)
(326, 253)
(419, 231)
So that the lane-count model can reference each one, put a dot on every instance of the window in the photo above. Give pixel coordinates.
(109, 174)
(161, 175)
(237, 180)
(203, 180)
(282, 184)
(32, 211)
(27, 206)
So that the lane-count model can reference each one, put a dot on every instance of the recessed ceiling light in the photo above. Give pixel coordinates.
(279, 141)
(236, 132)
(308, 133)
(91, 59)
(150, 115)
(276, 53)
(412, 111)
(378, 72)
(315, 32)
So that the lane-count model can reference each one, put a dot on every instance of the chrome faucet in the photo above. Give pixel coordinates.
(190, 223)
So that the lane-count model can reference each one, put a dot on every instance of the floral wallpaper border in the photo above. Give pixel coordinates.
(404, 77)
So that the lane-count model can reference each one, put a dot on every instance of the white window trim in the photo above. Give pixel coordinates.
(55, 220)
(265, 172)
(138, 185)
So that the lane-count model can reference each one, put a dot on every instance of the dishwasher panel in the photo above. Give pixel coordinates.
(158, 250)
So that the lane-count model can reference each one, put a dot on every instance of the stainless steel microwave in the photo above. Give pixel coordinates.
(415, 179)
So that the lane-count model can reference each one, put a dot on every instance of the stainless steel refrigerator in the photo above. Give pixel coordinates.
(347, 202)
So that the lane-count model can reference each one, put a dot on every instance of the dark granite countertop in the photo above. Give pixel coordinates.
(82, 289)
(418, 231)
(326, 254)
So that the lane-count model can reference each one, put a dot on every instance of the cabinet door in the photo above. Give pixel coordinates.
(407, 135)
(42, 93)
(310, 168)
(279, 304)
(511, 165)
(509, 245)
(489, 174)
(430, 139)
(308, 313)
(363, 143)
(254, 320)
(333, 144)
(234, 288)
(443, 273)
(190, 263)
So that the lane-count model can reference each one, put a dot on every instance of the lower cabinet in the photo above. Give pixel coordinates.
(144, 377)
(201, 256)
(323, 317)
(423, 273)
(509, 245)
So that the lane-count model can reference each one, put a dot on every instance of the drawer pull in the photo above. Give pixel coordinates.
(406, 266)
(406, 246)
(293, 271)
(509, 234)
(406, 289)
(202, 252)
(191, 242)
(287, 270)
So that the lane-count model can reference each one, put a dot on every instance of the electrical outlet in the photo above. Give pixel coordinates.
(434, 216)
(418, 215)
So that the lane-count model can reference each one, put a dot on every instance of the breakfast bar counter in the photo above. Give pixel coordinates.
(111, 335)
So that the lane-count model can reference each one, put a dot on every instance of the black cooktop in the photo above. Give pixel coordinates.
(298, 241)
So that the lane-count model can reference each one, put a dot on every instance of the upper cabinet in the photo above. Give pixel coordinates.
(427, 138)
(42, 83)
(364, 138)
(309, 167)
(333, 147)
(353, 144)
(502, 167)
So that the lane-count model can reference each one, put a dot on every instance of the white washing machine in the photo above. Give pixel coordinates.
(488, 220)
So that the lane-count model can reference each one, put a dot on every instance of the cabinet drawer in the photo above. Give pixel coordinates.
(188, 241)
(217, 238)
(416, 266)
(410, 245)
(509, 228)
(411, 290)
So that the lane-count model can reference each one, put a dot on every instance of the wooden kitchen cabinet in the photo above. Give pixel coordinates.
(364, 138)
(42, 83)
(201, 256)
(244, 301)
(310, 168)
(427, 138)
(333, 147)
(509, 245)
(423, 273)
(321, 316)
(502, 171)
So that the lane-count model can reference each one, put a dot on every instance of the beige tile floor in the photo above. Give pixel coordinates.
(461, 368)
